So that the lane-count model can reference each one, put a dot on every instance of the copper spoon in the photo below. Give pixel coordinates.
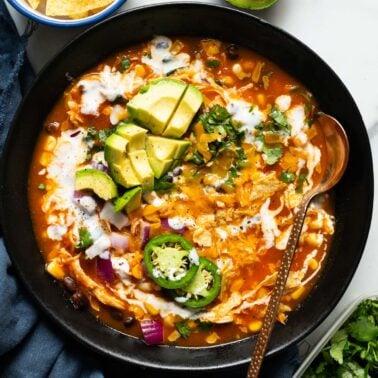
(337, 148)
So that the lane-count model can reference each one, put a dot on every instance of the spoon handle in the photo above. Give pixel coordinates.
(279, 287)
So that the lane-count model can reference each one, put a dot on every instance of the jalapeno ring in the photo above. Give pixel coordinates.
(171, 261)
(204, 287)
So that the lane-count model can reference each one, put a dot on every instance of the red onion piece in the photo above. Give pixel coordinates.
(119, 241)
(145, 228)
(105, 269)
(165, 224)
(78, 194)
(152, 332)
(100, 166)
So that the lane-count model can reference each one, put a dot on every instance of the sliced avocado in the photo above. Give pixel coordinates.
(142, 169)
(184, 114)
(135, 135)
(98, 181)
(162, 152)
(115, 149)
(123, 173)
(154, 105)
(131, 199)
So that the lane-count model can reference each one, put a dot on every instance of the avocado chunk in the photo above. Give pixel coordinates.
(135, 135)
(123, 173)
(142, 169)
(96, 180)
(154, 105)
(131, 200)
(162, 152)
(115, 149)
(185, 112)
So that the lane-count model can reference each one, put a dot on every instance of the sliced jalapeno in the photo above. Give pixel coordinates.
(203, 289)
(171, 261)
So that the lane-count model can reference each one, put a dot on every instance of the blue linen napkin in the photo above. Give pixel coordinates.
(30, 346)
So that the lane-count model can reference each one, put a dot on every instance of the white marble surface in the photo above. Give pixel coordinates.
(344, 34)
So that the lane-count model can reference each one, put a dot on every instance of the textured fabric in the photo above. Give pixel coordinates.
(30, 346)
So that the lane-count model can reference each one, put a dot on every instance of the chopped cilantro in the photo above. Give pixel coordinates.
(124, 64)
(273, 153)
(204, 326)
(196, 158)
(302, 178)
(183, 329)
(212, 63)
(95, 139)
(164, 183)
(280, 122)
(287, 177)
(42, 186)
(241, 158)
(232, 174)
(85, 239)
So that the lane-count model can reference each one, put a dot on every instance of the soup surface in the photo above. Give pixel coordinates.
(177, 237)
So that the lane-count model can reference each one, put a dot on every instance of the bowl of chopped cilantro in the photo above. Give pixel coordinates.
(350, 347)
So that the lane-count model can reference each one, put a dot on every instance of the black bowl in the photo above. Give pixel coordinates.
(353, 199)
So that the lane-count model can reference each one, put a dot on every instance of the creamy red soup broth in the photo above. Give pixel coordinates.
(163, 188)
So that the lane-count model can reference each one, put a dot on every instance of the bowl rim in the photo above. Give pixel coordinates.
(223, 365)
(35, 15)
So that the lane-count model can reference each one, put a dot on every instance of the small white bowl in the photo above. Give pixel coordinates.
(23, 7)
(328, 335)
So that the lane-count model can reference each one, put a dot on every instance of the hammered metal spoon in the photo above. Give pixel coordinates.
(337, 148)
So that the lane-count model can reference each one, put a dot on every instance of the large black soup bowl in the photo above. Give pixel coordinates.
(353, 196)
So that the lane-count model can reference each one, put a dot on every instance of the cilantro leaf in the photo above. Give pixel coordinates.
(287, 177)
(183, 329)
(124, 64)
(164, 183)
(273, 153)
(339, 342)
(204, 326)
(212, 63)
(363, 329)
(85, 239)
(280, 122)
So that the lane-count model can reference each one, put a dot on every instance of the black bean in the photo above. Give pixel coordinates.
(116, 314)
(52, 127)
(162, 45)
(128, 320)
(79, 300)
(232, 52)
(69, 284)
(177, 171)
(169, 178)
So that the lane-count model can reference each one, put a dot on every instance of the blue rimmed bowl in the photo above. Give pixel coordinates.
(24, 7)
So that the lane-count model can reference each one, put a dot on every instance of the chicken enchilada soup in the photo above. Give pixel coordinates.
(163, 189)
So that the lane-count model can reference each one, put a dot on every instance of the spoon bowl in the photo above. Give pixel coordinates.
(337, 149)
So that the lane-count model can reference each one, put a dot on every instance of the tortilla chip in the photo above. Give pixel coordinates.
(77, 16)
(73, 7)
(34, 3)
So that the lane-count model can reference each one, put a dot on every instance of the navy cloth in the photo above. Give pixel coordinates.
(30, 346)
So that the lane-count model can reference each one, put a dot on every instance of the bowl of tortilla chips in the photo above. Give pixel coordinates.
(66, 13)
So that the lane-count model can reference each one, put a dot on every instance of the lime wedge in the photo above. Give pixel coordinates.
(252, 4)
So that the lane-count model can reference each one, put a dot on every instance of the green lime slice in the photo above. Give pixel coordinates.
(252, 4)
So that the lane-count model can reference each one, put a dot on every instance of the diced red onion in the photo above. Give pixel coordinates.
(118, 220)
(119, 241)
(105, 269)
(78, 194)
(165, 224)
(100, 166)
(152, 332)
(145, 228)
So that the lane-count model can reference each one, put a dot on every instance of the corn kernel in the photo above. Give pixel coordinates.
(169, 321)
(45, 158)
(313, 264)
(55, 270)
(298, 293)
(140, 71)
(211, 339)
(238, 71)
(228, 80)
(314, 240)
(255, 325)
(173, 336)
(261, 99)
(50, 143)
(151, 309)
